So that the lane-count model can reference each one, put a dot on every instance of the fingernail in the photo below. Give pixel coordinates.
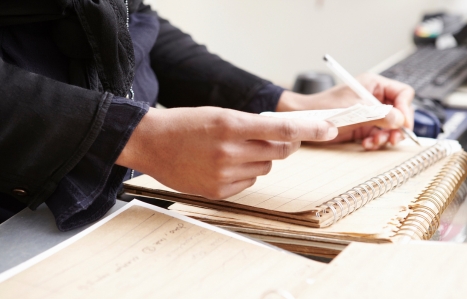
(332, 132)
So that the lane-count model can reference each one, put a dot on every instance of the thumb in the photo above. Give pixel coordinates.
(317, 130)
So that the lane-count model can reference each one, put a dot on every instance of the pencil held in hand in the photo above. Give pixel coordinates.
(361, 91)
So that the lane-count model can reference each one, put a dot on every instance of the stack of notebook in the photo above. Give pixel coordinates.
(322, 198)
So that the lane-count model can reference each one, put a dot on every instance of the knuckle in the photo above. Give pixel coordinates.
(221, 176)
(289, 130)
(222, 155)
(223, 124)
(267, 167)
(285, 149)
(320, 131)
(228, 121)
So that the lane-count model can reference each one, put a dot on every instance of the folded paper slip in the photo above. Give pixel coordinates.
(144, 251)
(339, 117)
(318, 185)
(404, 213)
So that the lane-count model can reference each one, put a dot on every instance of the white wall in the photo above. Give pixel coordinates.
(277, 39)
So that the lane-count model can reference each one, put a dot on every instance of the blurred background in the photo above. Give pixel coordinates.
(278, 39)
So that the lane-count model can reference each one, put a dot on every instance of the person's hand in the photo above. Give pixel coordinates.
(386, 90)
(214, 152)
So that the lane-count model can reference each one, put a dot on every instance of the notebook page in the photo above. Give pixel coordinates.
(379, 219)
(145, 251)
(314, 175)
(420, 270)
(310, 176)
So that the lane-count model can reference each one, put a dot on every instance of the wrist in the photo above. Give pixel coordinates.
(134, 147)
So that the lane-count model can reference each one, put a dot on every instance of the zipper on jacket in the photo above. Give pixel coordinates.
(131, 94)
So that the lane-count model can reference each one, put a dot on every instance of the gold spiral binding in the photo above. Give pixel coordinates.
(424, 218)
(357, 197)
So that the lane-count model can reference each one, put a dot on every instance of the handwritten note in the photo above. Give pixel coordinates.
(339, 117)
(148, 252)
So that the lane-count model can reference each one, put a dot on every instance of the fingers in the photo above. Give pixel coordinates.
(231, 189)
(395, 137)
(253, 151)
(235, 175)
(235, 179)
(269, 128)
(376, 140)
(401, 96)
(258, 150)
(248, 171)
(393, 120)
(379, 138)
(403, 103)
(392, 92)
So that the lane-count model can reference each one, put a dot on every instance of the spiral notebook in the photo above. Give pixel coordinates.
(318, 185)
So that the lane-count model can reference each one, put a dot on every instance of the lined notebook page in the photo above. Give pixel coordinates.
(311, 176)
(314, 175)
(378, 219)
(147, 252)
(421, 270)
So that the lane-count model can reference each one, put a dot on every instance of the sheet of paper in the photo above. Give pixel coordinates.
(339, 117)
(145, 251)
(418, 270)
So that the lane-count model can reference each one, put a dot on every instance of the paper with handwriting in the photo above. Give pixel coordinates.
(145, 251)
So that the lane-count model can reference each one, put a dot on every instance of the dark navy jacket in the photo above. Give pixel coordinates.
(60, 133)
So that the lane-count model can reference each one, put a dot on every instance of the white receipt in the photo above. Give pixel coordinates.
(339, 117)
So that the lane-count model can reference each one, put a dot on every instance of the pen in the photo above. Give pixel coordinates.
(361, 91)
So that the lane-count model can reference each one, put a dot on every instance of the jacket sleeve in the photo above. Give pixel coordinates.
(189, 75)
(46, 127)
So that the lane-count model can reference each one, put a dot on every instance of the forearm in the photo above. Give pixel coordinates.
(291, 101)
